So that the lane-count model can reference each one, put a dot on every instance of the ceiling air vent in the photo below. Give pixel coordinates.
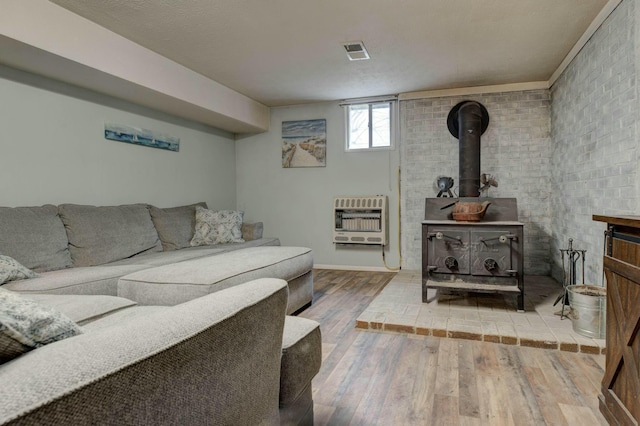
(356, 51)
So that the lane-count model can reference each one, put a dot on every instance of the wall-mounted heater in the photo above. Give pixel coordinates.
(360, 220)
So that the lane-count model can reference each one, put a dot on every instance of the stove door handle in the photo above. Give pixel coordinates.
(512, 272)
(441, 236)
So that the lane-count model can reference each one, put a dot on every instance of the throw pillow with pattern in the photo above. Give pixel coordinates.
(217, 227)
(11, 269)
(26, 325)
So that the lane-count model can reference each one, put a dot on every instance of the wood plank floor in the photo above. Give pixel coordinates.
(382, 378)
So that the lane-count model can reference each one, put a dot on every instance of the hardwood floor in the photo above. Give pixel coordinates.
(381, 378)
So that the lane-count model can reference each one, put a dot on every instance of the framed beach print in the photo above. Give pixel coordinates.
(304, 143)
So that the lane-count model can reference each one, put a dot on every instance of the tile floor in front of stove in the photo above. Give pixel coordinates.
(477, 316)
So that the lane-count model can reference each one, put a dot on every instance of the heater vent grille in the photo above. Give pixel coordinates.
(360, 220)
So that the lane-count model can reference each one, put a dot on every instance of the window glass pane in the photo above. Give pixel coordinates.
(358, 126)
(381, 122)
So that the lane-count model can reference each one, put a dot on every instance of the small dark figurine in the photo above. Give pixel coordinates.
(445, 184)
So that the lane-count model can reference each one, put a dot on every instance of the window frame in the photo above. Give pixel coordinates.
(393, 123)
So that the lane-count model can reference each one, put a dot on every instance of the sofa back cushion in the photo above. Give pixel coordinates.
(35, 237)
(99, 235)
(175, 225)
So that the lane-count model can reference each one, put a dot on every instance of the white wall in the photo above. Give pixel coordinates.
(295, 204)
(53, 150)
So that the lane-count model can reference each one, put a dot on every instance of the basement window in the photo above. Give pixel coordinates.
(370, 124)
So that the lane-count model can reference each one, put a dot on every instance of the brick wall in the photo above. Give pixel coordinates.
(515, 149)
(594, 164)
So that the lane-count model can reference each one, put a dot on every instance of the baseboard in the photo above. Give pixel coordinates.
(353, 268)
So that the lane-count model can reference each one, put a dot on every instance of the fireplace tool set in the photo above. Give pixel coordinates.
(569, 272)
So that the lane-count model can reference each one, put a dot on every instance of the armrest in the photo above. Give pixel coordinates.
(252, 231)
(213, 358)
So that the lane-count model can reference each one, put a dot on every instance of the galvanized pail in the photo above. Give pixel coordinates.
(588, 310)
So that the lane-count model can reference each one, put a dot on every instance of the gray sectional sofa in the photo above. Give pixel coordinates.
(88, 250)
(171, 334)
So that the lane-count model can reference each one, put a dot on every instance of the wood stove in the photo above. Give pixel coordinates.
(483, 256)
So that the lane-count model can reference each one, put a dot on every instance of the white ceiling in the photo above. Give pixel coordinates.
(286, 52)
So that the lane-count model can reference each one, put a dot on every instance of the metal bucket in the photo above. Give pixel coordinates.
(588, 310)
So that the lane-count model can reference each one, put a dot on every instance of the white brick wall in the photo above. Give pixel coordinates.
(595, 157)
(516, 149)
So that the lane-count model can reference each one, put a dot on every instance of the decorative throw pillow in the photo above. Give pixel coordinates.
(11, 269)
(217, 227)
(26, 325)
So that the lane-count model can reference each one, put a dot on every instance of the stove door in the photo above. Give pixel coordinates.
(490, 254)
(448, 250)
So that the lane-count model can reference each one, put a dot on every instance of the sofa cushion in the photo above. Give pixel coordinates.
(26, 325)
(123, 316)
(175, 225)
(237, 246)
(35, 237)
(84, 280)
(11, 270)
(83, 309)
(99, 235)
(168, 257)
(180, 282)
(217, 227)
(301, 357)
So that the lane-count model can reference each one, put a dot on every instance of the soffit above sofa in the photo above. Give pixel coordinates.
(35, 37)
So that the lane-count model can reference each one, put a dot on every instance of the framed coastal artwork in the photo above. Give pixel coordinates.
(304, 143)
(144, 137)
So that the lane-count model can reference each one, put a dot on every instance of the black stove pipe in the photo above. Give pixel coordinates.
(467, 121)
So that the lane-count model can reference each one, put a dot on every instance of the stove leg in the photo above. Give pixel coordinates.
(521, 302)
(425, 294)
(521, 286)
(434, 297)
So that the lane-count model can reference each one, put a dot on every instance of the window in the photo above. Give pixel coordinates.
(370, 125)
